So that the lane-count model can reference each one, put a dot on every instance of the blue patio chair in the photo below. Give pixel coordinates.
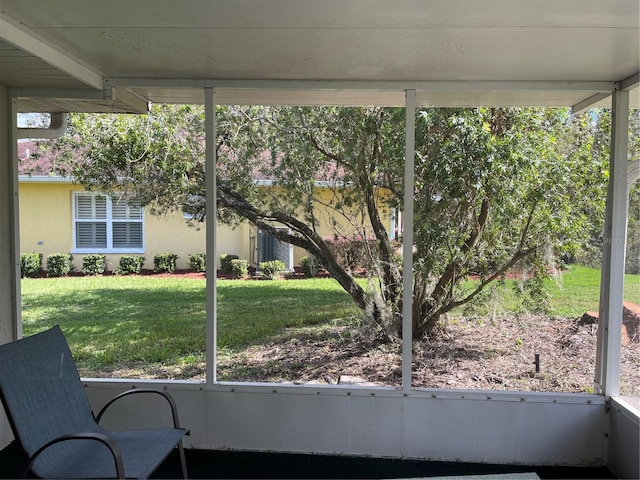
(51, 418)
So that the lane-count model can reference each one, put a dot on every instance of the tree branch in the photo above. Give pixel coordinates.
(305, 237)
(486, 281)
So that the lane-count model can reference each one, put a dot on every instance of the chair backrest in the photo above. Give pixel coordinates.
(41, 390)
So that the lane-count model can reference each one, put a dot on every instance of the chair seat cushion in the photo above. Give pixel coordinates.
(142, 451)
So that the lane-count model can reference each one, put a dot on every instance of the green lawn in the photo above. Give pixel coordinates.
(116, 321)
(120, 320)
(578, 291)
(573, 292)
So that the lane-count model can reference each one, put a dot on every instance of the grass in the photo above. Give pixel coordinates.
(111, 322)
(117, 321)
(570, 294)
(578, 291)
(249, 312)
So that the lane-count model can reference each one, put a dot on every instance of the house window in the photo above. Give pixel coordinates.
(103, 223)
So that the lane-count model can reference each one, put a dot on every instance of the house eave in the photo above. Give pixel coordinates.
(44, 179)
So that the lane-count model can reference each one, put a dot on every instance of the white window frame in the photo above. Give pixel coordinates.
(109, 220)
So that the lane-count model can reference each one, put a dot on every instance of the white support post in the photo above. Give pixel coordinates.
(10, 302)
(407, 240)
(613, 254)
(211, 216)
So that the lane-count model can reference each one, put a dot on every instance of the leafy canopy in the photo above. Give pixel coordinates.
(495, 188)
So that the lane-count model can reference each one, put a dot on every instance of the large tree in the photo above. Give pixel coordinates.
(495, 188)
(599, 126)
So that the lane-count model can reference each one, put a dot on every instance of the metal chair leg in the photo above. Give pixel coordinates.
(183, 461)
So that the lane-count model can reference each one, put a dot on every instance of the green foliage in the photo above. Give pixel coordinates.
(164, 262)
(633, 232)
(272, 269)
(30, 265)
(226, 265)
(239, 268)
(59, 264)
(310, 267)
(197, 262)
(130, 264)
(590, 254)
(148, 155)
(94, 264)
(496, 189)
(597, 134)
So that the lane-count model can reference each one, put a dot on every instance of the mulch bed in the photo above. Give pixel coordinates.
(499, 355)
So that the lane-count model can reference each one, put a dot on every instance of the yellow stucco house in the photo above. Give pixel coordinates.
(58, 216)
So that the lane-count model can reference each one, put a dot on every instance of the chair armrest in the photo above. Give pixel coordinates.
(163, 393)
(99, 437)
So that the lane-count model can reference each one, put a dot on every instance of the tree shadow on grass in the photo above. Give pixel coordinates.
(152, 327)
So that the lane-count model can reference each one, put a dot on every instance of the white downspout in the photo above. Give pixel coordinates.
(57, 127)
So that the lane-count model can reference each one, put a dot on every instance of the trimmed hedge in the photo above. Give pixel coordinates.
(239, 268)
(164, 262)
(271, 269)
(94, 264)
(59, 264)
(197, 262)
(130, 264)
(225, 263)
(30, 265)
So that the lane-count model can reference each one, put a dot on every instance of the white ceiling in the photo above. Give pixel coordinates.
(115, 55)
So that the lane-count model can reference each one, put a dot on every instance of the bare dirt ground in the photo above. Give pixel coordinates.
(463, 355)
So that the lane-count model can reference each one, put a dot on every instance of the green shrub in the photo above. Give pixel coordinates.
(225, 263)
(239, 268)
(271, 269)
(94, 264)
(310, 267)
(197, 262)
(30, 264)
(59, 264)
(632, 259)
(130, 264)
(164, 262)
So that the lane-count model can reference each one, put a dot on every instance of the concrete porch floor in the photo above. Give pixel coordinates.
(237, 465)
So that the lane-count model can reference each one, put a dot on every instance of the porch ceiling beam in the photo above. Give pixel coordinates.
(106, 94)
(395, 85)
(29, 43)
(587, 103)
(631, 82)
(58, 93)
(627, 84)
